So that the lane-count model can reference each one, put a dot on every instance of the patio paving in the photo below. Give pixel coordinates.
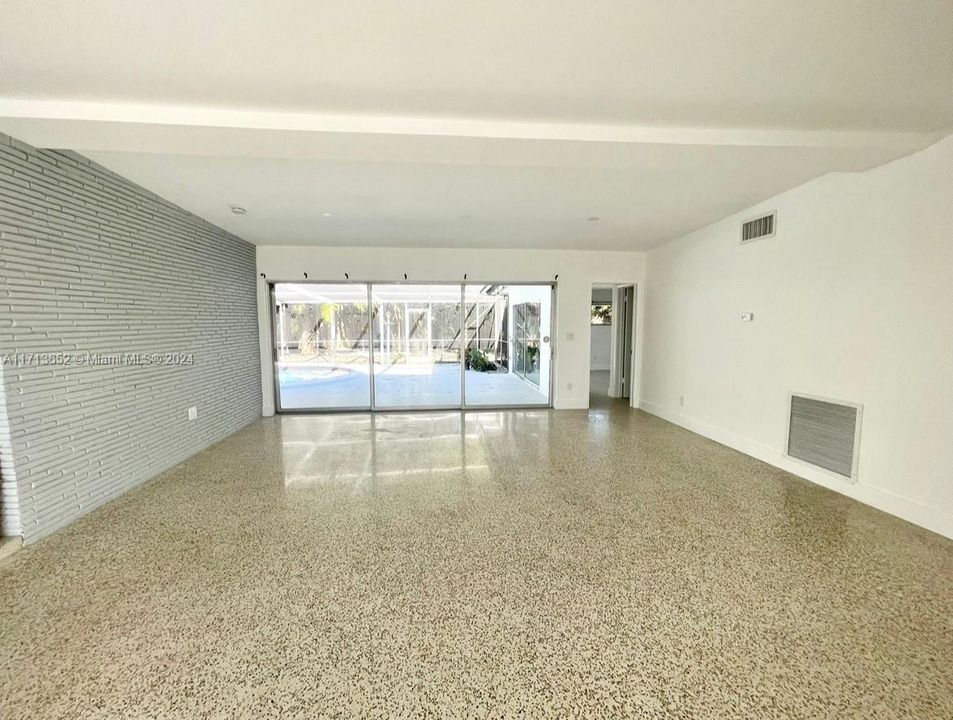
(400, 386)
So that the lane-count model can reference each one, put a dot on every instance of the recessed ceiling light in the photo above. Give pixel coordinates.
(592, 218)
(238, 209)
(327, 214)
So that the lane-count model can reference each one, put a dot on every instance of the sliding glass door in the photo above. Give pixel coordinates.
(508, 359)
(527, 341)
(391, 346)
(322, 341)
(417, 346)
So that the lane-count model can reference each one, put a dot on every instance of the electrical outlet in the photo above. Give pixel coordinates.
(681, 400)
(747, 317)
(569, 386)
(193, 413)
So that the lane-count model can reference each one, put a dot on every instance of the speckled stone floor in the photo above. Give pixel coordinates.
(500, 564)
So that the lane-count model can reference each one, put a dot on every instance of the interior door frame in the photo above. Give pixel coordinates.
(372, 336)
(627, 335)
(623, 314)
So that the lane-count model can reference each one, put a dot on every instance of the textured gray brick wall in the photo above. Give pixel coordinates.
(92, 263)
(9, 500)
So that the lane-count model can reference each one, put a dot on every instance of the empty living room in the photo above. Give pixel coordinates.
(444, 359)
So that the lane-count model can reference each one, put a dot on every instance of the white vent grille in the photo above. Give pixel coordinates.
(825, 433)
(759, 227)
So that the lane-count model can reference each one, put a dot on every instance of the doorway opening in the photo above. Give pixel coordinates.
(612, 345)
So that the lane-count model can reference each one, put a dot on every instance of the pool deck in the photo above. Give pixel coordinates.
(401, 386)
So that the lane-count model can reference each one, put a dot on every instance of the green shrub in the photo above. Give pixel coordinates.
(477, 360)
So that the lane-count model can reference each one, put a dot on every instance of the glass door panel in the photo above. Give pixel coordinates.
(529, 342)
(508, 350)
(322, 337)
(417, 343)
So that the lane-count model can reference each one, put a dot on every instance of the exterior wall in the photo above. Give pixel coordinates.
(92, 263)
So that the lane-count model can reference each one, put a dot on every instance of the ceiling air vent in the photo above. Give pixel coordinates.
(825, 433)
(759, 227)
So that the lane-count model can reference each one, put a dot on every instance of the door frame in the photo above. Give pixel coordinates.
(372, 407)
(626, 335)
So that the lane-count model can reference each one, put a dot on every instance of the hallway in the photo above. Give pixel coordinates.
(599, 392)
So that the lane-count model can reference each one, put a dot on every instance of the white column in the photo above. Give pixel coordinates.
(430, 332)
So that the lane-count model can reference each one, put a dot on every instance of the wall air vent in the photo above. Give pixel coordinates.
(759, 227)
(824, 433)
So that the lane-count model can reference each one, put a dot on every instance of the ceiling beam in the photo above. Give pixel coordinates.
(161, 128)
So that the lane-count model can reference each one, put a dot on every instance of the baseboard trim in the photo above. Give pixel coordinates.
(9, 545)
(904, 508)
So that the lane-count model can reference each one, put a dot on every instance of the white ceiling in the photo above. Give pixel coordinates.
(659, 195)
(491, 124)
(751, 63)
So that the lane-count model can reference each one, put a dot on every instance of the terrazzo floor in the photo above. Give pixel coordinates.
(499, 564)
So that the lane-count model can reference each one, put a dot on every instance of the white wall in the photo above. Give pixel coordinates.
(853, 299)
(577, 271)
(600, 347)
